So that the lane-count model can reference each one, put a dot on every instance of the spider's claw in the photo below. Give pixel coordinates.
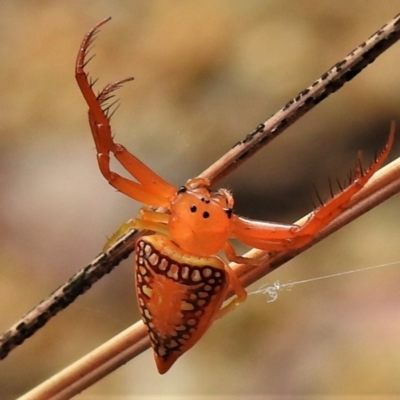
(86, 47)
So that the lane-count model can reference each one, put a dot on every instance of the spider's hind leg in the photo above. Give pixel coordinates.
(337, 204)
(279, 237)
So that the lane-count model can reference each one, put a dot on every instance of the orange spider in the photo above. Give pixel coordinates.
(181, 282)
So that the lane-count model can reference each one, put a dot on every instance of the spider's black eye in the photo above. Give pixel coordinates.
(206, 214)
(193, 209)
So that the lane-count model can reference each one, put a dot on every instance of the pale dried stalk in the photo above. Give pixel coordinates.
(329, 82)
(133, 341)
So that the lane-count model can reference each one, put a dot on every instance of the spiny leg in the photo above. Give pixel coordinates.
(278, 237)
(151, 189)
(333, 208)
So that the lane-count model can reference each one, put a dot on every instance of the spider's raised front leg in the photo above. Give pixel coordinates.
(278, 237)
(150, 188)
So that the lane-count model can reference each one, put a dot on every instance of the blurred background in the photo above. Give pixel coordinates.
(206, 73)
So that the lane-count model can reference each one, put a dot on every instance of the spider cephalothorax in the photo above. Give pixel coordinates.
(200, 219)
